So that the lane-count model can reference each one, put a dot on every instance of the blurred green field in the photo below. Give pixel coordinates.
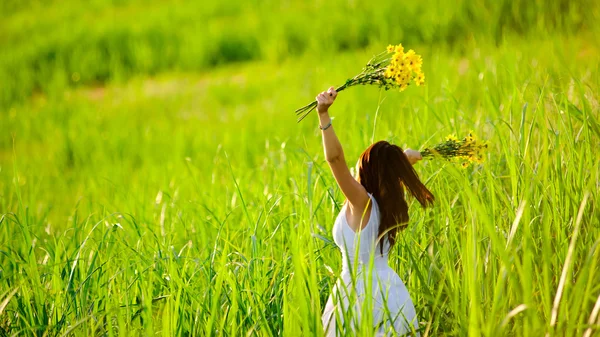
(153, 180)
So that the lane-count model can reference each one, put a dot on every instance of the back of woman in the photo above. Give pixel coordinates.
(368, 290)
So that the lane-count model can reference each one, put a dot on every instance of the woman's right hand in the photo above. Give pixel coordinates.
(325, 100)
(413, 156)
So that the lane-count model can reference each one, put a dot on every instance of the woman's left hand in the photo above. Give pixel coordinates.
(325, 100)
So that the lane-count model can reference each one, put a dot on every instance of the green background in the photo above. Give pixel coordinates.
(154, 181)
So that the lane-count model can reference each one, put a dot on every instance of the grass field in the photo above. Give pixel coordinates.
(153, 180)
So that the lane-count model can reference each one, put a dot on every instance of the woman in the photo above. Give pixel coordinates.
(365, 231)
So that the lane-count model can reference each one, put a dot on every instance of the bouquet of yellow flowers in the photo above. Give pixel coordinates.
(392, 68)
(469, 150)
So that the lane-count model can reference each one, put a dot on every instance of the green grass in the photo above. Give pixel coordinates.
(173, 198)
(47, 46)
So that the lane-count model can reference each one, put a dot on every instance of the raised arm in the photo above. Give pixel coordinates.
(334, 154)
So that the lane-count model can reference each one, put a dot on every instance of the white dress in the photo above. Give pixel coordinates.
(393, 312)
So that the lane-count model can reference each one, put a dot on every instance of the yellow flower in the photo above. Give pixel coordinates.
(420, 79)
(398, 79)
(413, 60)
(470, 139)
(452, 138)
(399, 49)
(403, 87)
(402, 79)
(390, 48)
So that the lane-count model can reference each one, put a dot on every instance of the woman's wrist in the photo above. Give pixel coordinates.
(326, 111)
(324, 119)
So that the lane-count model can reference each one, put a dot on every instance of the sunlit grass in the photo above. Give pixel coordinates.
(193, 204)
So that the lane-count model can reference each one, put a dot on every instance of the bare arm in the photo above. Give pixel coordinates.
(331, 144)
(334, 154)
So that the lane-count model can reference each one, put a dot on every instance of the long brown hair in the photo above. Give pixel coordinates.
(384, 171)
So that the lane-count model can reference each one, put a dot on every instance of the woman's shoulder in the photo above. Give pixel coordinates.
(374, 204)
(360, 218)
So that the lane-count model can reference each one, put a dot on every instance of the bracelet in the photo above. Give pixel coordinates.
(326, 126)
